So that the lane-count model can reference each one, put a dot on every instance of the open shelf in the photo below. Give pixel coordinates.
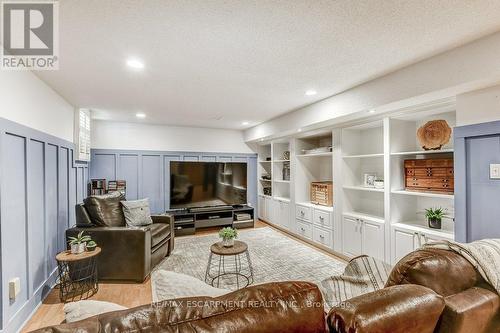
(280, 161)
(327, 154)
(403, 132)
(264, 161)
(282, 198)
(423, 152)
(364, 155)
(363, 188)
(314, 163)
(281, 181)
(424, 194)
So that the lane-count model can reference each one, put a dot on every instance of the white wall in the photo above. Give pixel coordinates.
(27, 100)
(478, 106)
(463, 69)
(134, 136)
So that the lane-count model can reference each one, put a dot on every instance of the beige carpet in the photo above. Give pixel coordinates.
(275, 257)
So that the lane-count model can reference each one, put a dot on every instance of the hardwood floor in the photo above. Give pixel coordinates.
(130, 295)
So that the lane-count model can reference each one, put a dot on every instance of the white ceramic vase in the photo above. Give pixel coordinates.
(228, 242)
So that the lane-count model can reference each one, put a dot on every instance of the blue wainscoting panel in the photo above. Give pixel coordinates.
(476, 195)
(152, 182)
(51, 208)
(14, 243)
(150, 177)
(36, 215)
(105, 164)
(39, 187)
(129, 170)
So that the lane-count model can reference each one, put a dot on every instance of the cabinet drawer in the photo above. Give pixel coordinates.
(322, 236)
(304, 229)
(303, 212)
(322, 218)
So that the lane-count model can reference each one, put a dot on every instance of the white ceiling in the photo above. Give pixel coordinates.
(216, 63)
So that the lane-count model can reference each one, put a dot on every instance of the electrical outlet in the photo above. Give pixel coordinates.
(14, 288)
(494, 171)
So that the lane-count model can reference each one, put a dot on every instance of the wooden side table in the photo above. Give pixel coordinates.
(77, 275)
(230, 264)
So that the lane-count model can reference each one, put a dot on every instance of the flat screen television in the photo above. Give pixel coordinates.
(207, 184)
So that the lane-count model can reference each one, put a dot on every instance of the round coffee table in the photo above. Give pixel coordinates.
(77, 275)
(233, 263)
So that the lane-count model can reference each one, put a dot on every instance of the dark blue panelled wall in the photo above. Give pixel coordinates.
(477, 197)
(39, 185)
(147, 172)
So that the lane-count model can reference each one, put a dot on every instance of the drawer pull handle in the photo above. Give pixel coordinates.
(302, 229)
(321, 236)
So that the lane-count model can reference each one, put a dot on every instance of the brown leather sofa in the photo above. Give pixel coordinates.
(292, 307)
(428, 291)
(463, 303)
(127, 253)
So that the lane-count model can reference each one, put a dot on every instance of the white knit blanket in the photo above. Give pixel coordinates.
(362, 275)
(484, 255)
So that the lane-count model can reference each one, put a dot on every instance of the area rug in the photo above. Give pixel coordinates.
(275, 257)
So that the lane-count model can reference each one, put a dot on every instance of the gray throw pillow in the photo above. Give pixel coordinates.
(137, 212)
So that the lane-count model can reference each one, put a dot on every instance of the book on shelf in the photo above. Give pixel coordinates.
(97, 187)
(117, 185)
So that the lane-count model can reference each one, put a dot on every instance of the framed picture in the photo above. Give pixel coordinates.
(369, 179)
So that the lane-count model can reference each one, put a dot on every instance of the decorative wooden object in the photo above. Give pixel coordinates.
(434, 134)
(322, 193)
(429, 175)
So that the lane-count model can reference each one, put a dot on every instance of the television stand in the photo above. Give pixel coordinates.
(209, 209)
(187, 221)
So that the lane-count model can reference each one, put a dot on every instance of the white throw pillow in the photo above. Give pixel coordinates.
(169, 285)
(137, 212)
(80, 310)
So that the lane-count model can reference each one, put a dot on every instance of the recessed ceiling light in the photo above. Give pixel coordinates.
(372, 111)
(245, 123)
(299, 130)
(311, 92)
(135, 63)
(140, 115)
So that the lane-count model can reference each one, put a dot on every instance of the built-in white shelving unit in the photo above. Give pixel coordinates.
(387, 222)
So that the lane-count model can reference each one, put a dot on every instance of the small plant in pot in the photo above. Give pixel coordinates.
(78, 243)
(228, 235)
(91, 245)
(435, 216)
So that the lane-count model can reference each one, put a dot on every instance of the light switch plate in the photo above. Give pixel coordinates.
(494, 171)
(14, 288)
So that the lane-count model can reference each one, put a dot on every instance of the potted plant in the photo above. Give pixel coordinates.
(78, 243)
(228, 235)
(434, 217)
(91, 245)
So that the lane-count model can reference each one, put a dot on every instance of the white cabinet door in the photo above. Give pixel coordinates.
(373, 239)
(351, 236)
(285, 214)
(275, 212)
(269, 209)
(262, 208)
(403, 243)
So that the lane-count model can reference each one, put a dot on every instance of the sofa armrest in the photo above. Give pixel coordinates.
(125, 252)
(397, 309)
(472, 310)
(166, 218)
